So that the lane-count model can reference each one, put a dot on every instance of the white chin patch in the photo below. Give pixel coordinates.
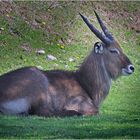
(125, 72)
(16, 106)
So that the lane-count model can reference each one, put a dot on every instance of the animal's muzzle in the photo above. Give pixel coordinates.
(128, 70)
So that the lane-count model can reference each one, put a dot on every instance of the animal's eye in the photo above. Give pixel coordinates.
(115, 51)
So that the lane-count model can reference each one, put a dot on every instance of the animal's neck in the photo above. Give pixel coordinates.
(94, 78)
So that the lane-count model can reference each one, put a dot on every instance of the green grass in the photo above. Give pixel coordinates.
(119, 114)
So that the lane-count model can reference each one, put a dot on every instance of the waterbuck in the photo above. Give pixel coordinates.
(66, 93)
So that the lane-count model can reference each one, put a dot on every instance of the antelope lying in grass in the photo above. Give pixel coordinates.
(66, 93)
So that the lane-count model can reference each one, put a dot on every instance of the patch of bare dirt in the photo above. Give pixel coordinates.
(121, 12)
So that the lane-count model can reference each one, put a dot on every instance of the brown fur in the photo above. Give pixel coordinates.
(65, 93)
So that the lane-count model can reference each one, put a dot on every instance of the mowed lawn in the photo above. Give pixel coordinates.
(119, 114)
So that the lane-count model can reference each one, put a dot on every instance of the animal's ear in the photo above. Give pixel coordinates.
(98, 47)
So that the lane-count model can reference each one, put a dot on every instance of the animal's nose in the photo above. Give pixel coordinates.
(131, 69)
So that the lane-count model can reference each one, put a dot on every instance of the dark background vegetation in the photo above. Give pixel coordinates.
(56, 27)
(57, 18)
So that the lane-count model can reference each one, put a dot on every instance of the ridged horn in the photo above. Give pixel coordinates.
(104, 28)
(101, 36)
